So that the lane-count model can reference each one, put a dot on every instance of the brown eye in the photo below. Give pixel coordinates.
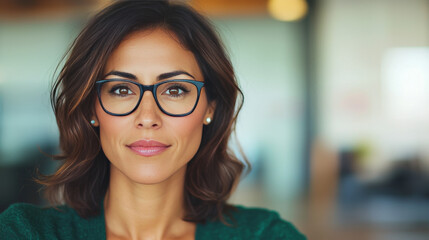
(121, 91)
(174, 91)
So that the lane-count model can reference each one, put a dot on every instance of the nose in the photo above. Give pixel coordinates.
(148, 113)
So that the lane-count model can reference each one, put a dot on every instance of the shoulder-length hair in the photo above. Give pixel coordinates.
(83, 178)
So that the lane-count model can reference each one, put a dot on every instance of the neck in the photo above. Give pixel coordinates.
(138, 211)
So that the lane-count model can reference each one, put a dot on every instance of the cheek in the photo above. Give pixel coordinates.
(188, 131)
(188, 128)
(111, 130)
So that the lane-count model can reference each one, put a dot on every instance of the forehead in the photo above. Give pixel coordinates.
(151, 52)
(152, 36)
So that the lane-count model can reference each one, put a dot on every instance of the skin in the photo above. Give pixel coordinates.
(150, 185)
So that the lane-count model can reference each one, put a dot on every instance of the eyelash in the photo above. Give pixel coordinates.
(180, 86)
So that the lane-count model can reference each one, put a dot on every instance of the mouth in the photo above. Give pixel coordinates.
(148, 148)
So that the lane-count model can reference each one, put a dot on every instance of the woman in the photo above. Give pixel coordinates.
(145, 104)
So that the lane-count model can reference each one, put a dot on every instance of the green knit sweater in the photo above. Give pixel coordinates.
(26, 221)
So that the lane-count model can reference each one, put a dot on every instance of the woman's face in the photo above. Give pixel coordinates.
(149, 146)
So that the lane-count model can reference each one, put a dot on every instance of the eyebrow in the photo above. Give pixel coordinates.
(122, 74)
(173, 74)
(160, 77)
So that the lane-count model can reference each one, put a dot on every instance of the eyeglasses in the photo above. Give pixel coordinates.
(177, 98)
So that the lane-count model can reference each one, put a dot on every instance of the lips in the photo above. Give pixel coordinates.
(148, 148)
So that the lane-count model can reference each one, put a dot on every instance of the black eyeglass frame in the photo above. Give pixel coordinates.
(152, 88)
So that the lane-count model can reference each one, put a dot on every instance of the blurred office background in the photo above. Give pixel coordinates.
(335, 120)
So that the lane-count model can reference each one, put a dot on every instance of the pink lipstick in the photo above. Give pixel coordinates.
(148, 148)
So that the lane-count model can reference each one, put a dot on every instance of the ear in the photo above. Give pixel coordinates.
(208, 117)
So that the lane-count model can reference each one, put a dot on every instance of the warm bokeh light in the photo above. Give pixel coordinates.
(287, 10)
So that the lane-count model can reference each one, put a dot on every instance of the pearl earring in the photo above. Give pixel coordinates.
(92, 122)
(208, 120)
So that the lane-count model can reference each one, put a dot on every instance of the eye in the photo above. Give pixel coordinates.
(175, 91)
(121, 91)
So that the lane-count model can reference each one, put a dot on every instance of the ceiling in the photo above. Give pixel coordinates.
(28, 8)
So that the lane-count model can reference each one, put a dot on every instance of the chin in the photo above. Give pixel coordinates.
(151, 176)
(149, 179)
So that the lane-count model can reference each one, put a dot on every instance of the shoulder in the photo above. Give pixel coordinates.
(27, 221)
(265, 224)
(21, 211)
(253, 223)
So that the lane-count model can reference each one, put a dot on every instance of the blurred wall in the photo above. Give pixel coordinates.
(372, 77)
(268, 59)
(354, 42)
(30, 50)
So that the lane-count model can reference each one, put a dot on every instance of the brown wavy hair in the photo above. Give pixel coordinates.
(83, 178)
